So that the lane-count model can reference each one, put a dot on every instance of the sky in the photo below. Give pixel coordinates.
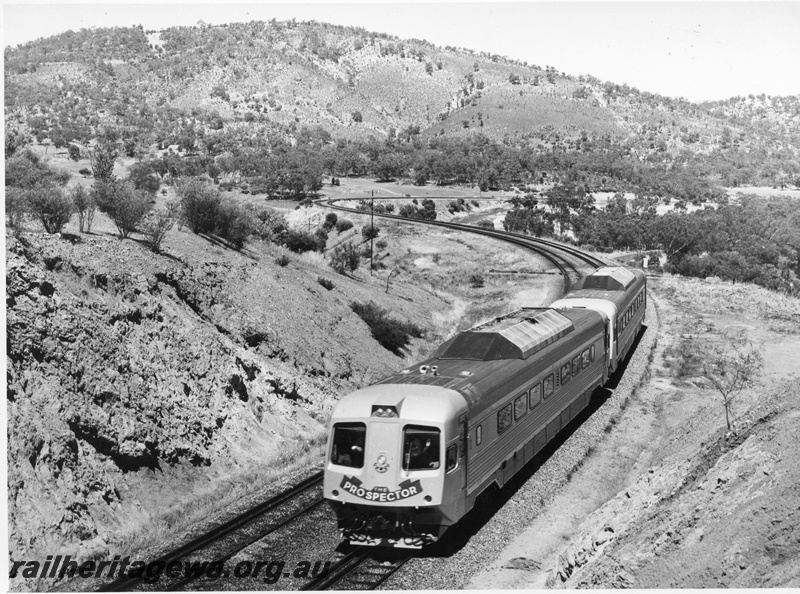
(697, 50)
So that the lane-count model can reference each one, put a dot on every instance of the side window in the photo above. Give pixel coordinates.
(520, 407)
(587, 359)
(504, 418)
(535, 396)
(451, 458)
(576, 365)
(548, 385)
(591, 352)
(420, 448)
(478, 435)
(565, 374)
(348, 444)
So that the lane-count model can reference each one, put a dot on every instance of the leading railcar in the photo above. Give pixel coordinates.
(409, 456)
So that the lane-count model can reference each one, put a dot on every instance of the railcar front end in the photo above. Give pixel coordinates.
(392, 472)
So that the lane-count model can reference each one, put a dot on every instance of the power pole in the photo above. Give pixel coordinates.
(371, 230)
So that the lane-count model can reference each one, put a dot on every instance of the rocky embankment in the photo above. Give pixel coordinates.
(135, 380)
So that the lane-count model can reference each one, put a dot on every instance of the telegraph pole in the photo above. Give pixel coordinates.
(371, 230)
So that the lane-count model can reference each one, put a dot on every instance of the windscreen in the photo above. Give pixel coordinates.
(348, 444)
(420, 448)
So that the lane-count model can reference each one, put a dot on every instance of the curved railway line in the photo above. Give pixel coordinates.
(362, 568)
(542, 247)
(240, 532)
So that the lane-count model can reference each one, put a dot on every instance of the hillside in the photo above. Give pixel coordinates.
(196, 86)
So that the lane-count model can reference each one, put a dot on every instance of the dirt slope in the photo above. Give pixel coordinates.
(669, 498)
(135, 381)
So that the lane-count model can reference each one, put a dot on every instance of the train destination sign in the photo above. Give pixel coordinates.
(406, 489)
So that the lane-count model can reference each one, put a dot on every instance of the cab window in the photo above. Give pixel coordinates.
(348, 444)
(478, 435)
(420, 448)
(451, 458)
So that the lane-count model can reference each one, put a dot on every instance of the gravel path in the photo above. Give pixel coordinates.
(457, 569)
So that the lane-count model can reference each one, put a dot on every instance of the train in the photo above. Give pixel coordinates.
(408, 456)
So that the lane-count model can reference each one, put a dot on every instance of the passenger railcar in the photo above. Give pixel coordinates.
(621, 295)
(408, 456)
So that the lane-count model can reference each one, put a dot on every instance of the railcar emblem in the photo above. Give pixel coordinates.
(382, 463)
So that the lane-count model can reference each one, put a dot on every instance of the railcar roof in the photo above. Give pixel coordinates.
(609, 278)
(478, 381)
(515, 336)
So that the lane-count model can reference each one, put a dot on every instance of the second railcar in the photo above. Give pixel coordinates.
(621, 295)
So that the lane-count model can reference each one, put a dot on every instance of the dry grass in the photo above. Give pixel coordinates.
(721, 297)
(290, 458)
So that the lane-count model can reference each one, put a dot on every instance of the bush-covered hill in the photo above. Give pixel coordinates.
(199, 87)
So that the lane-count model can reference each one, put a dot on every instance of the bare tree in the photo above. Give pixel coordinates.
(732, 367)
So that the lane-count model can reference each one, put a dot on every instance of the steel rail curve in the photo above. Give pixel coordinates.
(540, 246)
(128, 583)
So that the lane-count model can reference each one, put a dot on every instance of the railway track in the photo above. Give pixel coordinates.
(232, 536)
(359, 570)
(545, 248)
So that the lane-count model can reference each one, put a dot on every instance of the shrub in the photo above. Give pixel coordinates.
(85, 172)
(345, 258)
(155, 227)
(370, 232)
(268, 224)
(85, 205)
(282, 260)
(123, 204)
(200, 202)
(232, 223)
(330, 221)
(381, 244)
(328, 284)
(343, 225)
(51, 206)
(391, 334)
(16, 207)
(74, 152)
(302, 241)
(476, 280)
(486, 225)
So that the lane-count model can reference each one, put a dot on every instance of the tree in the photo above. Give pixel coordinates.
(357, 117)
(51, 205)
(233, 224)
(731, 367)
(200, 203)
(85, 205)
(15, 139)
(74, 152)
(103, 158)
(124, 204)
